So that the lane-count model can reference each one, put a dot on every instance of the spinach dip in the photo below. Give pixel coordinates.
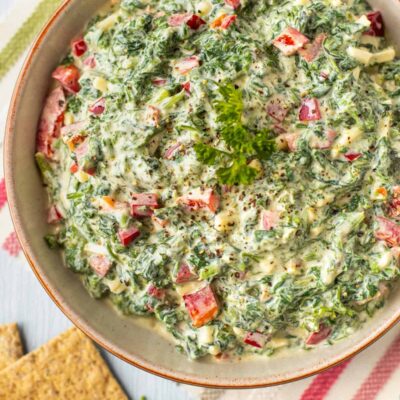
(230, 168)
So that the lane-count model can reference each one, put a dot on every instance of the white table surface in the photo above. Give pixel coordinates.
(23, 300)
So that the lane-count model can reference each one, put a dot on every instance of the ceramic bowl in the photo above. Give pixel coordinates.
(123, 336)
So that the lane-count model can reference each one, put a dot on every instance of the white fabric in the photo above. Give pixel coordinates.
(12, 15)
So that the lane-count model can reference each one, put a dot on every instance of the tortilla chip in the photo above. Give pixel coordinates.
(68, 367)
(10, 345)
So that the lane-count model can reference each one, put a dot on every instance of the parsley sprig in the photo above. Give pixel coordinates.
(242, 144)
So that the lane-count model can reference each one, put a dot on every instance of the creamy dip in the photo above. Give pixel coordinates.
(229, 168)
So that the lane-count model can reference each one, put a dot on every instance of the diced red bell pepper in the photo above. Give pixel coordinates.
(277, 111)
(74, 168)
(127, 236)
(377, 27)
(317, 337)
(233, 3)
(228, 21)
(90, 62)
(352, 156)
(388, 231)
(309, 110)
(198, 198)
(172, 150)
(156, 292)
(54, 215)
(58, 126)
(159, 81)
(143, 203)
(290, 41)
(79, 47)
(90, 171)
(68, 76)
(50, 121)
(223, 21)
(311, 51)
(145, 199)
(98, 107)
(184, 274)
(195, 22)
(270, 219)
(100, 264)
(202, 306)
(178, 19)
(186, 65)
(186, 87)
(256, 339)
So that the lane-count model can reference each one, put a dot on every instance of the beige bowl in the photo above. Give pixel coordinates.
(123, 336)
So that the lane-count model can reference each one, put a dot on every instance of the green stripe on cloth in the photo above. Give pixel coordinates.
(25, 35)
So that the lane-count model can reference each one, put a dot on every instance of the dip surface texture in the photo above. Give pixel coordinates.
(229, 168)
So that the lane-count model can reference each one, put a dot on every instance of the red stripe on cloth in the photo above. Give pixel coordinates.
(3, 194)
(11, 244)
(323, 383)
(381, 373)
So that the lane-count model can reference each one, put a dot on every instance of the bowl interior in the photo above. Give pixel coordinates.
(127, 337)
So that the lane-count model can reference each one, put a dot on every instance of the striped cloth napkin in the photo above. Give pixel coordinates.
(373, 374)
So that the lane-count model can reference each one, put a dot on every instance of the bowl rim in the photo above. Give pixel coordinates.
(80, 322)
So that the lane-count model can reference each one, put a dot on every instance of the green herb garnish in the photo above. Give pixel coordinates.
(242, 144)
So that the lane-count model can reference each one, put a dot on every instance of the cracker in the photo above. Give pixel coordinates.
(68, 367)
(10, 345)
